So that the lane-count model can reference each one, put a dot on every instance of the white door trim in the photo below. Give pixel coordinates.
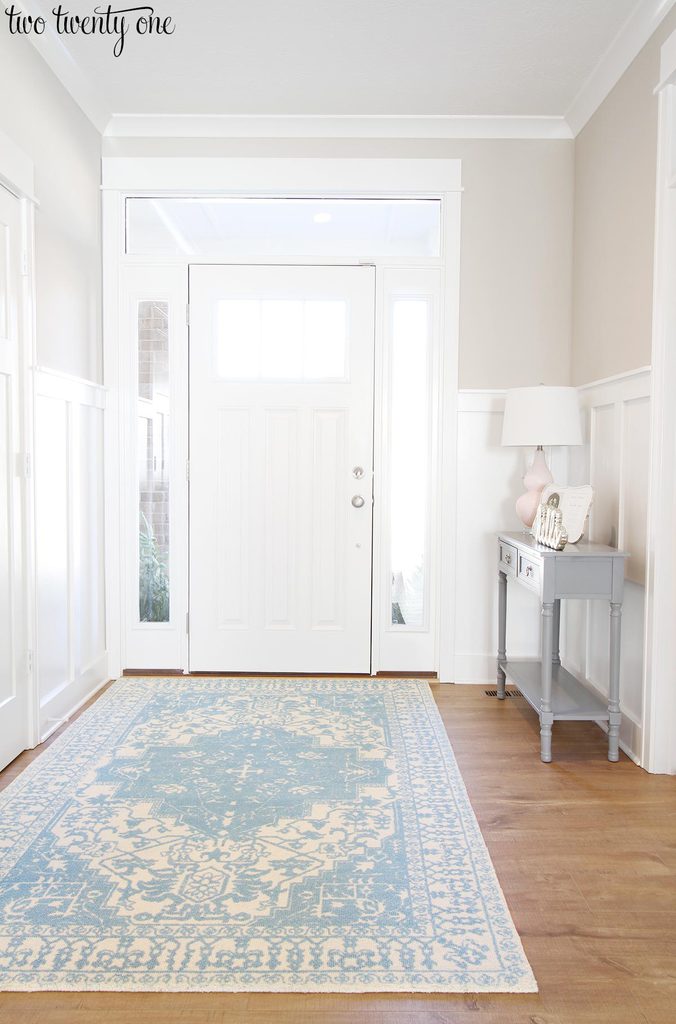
(659, 743)
(281, 176)
(344, 178)
(17, 176)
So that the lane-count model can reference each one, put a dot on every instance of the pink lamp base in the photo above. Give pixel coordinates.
(535, 480)
(527, 506)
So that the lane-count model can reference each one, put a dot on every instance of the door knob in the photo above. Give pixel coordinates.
(358, 501)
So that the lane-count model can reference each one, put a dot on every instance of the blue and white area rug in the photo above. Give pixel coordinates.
(251, 835)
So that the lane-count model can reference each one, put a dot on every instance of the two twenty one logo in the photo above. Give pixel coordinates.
(104, 21)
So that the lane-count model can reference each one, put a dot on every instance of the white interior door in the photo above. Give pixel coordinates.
(281, 456)
(13, 664)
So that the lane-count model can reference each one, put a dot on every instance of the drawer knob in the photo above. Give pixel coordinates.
(529, 570)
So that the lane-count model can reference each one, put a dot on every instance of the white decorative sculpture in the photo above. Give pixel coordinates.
(574, 503)
(548, 527)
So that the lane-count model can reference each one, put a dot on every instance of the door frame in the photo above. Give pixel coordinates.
(17, 177)
(659, 732)
(124, 178)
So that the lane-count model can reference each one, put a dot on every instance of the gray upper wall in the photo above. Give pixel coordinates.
(614, 235)
(40, 116)
(516, 246)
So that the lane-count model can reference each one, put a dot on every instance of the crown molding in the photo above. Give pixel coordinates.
(335, 126)
(630, 40)
(626, 45)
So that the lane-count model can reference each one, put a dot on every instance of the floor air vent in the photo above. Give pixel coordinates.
(508, 693)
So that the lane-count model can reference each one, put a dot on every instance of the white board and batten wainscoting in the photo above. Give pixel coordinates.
(614, 460)
(52, 631)
(70, 659)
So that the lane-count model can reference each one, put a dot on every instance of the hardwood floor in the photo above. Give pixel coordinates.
(586, 854)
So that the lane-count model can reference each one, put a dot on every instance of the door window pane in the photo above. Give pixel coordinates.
(325, 339)
(282, 339)
(153, 460)
(409, 466)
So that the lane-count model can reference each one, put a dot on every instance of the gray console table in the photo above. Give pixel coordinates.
(581, 570)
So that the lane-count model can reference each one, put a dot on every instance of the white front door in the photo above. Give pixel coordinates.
(13, 664)
(281, 457)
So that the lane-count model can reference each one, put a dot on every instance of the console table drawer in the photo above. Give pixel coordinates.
(529, 572)
(508, 558)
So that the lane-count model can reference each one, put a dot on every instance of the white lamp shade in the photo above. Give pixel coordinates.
(542, 415)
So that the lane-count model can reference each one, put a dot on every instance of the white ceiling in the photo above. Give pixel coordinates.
(352, 57)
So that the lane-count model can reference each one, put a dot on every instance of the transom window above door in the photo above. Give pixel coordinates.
(393, 229)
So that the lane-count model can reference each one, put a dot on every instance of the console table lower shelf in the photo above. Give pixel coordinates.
(570, 700)
(583, 571)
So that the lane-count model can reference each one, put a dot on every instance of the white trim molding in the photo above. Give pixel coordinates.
(55, 384)
(481, 400)
(256, 175)
(631, 38)
(659, 747)
(401, 178)
(627, 44)
(336, 126)
(617, 378)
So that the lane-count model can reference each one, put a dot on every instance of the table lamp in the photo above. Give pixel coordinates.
(538, 417)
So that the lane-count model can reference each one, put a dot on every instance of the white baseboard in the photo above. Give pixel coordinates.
(72, 696)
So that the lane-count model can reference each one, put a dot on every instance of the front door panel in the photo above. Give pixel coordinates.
(281, 455)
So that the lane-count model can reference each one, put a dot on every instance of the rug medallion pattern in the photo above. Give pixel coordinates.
(244, 835)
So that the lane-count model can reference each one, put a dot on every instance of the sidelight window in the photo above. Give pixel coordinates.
(153, 460)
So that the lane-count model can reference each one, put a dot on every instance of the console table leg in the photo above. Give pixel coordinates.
(556, 654)
(546, 716)
(546, 722)
(614, 714)
(502, 631)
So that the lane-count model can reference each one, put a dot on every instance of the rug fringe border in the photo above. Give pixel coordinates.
(526, 988)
